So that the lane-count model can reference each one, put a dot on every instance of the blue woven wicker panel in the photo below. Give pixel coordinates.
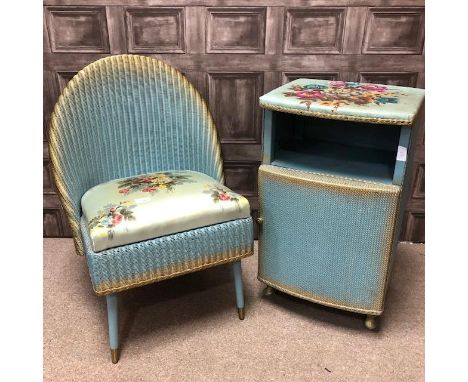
(168, 256)
(326, 239)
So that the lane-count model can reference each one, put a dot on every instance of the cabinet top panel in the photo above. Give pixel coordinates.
(352, 101)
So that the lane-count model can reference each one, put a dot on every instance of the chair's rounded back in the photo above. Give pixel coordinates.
(127, 115)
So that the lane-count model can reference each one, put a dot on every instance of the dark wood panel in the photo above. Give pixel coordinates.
(389, 78)
(229, 93)
(253, 200)
(52, 223)
(291, 76)
(314, 30)
(413, 227)
(153, 30)
(50, 94)
(116, 30)
(354, 30)
(236, 152)
(77, 29)
(394, 30)
(45, 151)
(419, 187)
(45, 36)
(242, 177)
(420, 140)
(63, 77)
(55, 223)
(233, 51)
(51, 201)
(237, 3)
(274, 30)
(47, 181)
(259, 62)
(235, 30)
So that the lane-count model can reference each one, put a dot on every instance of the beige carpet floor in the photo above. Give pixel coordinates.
(186, 329)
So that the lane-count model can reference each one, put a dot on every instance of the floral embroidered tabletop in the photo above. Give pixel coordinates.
(346, 100)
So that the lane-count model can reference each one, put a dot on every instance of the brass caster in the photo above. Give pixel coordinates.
(115, 355)
(371, 322)
(241, 313)
(268, 291)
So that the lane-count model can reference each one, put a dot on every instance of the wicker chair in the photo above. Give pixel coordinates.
(137, 165)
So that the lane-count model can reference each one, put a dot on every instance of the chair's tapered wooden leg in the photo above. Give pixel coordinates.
(236, 268)
(268, 291)
(371, 322)
(113, 322)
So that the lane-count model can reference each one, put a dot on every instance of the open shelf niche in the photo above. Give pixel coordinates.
(349, 149)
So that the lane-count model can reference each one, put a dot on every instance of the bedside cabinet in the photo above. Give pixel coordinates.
(333, 186)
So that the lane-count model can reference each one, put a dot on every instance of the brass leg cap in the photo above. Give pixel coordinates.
(115, 355)
(241, 313)
(371, 322)
(268, 291)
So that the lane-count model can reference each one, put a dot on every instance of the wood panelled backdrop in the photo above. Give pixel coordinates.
(235, 51)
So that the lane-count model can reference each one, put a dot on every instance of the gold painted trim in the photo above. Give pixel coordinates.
(54, 127)
(114, 355)
(327, 182)
(57, 177)
(315, 299)
(392, 249)
(340, 117)
(370, 322)
(146, 278)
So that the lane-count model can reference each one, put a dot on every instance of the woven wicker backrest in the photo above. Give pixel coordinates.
(126, 115)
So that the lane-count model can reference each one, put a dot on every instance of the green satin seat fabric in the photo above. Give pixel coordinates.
(147, 206)
(352, 101)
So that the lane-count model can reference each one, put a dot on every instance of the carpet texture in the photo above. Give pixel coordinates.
(186, 329)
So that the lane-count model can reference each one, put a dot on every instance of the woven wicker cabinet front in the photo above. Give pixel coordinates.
(332, 187)
(326, 240)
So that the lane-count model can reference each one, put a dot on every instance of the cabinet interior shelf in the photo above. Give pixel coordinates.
(346, 149)
(340, 160)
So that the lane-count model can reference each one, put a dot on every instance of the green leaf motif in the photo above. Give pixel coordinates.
(111, 216)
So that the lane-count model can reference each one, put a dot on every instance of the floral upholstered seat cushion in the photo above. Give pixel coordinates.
(346, 100)
(148, 206)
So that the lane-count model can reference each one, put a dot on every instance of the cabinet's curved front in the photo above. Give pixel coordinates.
(327, 239)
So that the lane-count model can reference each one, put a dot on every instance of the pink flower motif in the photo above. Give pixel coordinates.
(309, 94)
(224, 196)
(376, 88)
(337, 83)
(117, 218)
(150, 189)
(124, 190)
